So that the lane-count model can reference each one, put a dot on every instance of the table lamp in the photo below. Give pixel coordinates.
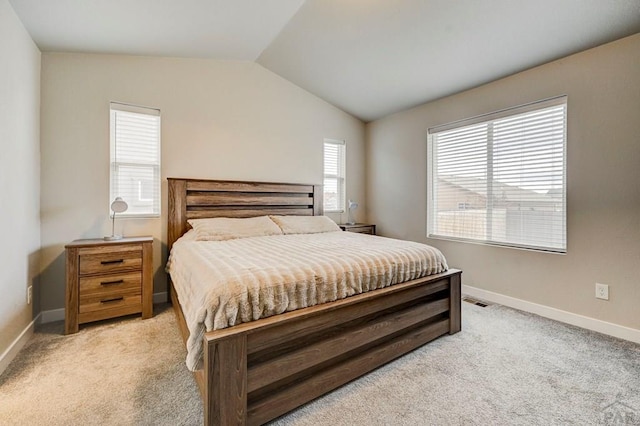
(352, 206)
(117, 206)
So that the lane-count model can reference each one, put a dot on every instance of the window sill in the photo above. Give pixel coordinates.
(135, 216)
(500, 245)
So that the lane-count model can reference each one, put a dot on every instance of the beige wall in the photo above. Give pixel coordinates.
(603, 183)
(220, 119)
(19, 175)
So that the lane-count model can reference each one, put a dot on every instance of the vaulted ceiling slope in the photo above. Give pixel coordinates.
(221, 29)
(375, 57)
(369, 57)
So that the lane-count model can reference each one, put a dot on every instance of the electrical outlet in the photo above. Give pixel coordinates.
(29, 294)
(602, 291)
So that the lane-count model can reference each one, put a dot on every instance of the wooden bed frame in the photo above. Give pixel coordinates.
(257, 371)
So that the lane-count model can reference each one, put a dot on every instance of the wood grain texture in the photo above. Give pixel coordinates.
(177, 214)
(184, 332)
(295, 325)
(107, 279)
(346, 340)
(97, 247)
(240, 186)
(182, 324)
(318, 206)
(361, 228)
(256, 371)
(126, 300)
(201, 198)
(147, 280)
(455, 309)
(72, 292)
(98, 286)
(246, 212)
(127, 308)
(334, 376)
(94, 245)
(226, 373)
(110, 262)
(244, 199)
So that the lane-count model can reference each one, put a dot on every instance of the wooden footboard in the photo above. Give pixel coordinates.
(257, 371)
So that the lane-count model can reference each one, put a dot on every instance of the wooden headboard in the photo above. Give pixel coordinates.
(201, 198)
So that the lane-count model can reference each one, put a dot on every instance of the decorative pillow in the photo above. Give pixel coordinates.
(225, 228)
(305, 224)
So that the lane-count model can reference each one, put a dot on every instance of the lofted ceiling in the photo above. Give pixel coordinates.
(221, 29)
(370, 58)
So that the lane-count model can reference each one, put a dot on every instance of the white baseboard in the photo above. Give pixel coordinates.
(593, 324)
(58, 314)
(17, 344)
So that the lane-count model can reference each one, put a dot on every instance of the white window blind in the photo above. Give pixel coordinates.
(501, 178)
(135, 158)
(334, 175)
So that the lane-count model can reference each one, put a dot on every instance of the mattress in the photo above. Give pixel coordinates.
(223, 283)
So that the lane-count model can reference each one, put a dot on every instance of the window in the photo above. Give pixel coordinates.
(501, 178)
(334, 181)
(135, 158)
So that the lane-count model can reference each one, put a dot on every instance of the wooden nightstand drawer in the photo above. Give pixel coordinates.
(361, 228)
(119, 299)
(109, 308)
(104, 263)
(108, 279)
(109, 284)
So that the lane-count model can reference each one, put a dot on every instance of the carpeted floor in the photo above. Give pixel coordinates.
(505, 368)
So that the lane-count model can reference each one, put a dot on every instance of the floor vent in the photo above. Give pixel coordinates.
(475, 302)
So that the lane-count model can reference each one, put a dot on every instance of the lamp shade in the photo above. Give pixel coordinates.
(119, 205)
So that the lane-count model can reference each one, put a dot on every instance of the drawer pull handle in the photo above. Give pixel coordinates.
(115, 299)
(111, 282)
(110, 262)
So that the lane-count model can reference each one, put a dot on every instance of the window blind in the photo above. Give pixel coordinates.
(334, 175)
(501, 178)
(135, 158)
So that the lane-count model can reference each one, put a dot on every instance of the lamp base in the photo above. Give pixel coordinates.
(350, 219)
(113, 238)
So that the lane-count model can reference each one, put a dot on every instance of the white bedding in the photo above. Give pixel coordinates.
(224, 283)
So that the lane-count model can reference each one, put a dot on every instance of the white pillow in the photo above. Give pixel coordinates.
(225, 228)
(305, 224)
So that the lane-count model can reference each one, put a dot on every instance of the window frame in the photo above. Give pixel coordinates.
(491, 118)
(340, 176)
(114, 166)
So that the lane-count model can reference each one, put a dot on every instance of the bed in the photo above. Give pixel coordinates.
(256, 371)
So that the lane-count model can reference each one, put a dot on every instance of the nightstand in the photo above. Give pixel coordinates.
(107, 279)
(362, 228)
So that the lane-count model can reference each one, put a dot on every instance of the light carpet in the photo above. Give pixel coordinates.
(505, 368)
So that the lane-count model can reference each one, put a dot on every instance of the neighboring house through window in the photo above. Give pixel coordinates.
(334, 175)
(135, 158)
(501, 178)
